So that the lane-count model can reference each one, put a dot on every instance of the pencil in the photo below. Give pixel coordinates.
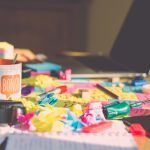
(107, 91)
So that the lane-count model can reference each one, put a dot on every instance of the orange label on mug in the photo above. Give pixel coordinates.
(10, 84)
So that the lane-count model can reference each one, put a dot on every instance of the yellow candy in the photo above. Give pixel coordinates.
(77, 109)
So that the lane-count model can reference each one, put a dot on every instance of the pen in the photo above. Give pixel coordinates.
(107, 91)
(57, 90)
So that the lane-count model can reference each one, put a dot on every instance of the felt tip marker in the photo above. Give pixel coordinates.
(57, 90)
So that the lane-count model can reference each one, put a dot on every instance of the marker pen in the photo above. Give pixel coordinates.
(57, 90)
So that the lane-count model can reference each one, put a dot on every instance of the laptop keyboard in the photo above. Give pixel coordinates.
(100, 63)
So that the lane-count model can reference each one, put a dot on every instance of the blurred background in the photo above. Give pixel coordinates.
(52, 26)
(120, 28)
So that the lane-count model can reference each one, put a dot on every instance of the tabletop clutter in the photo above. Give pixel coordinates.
(54, 104)
(51, 101)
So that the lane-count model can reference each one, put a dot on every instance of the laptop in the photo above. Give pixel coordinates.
(129, 55)
(131, 50)
(132, 46)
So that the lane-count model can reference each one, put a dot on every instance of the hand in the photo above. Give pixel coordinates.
(24, 55)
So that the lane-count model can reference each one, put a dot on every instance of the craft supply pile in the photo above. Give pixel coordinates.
(60, 104)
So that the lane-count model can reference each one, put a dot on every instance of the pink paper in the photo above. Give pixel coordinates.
(144, 96)
(139, 112)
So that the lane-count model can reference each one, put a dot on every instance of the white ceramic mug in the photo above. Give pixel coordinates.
(10, 79)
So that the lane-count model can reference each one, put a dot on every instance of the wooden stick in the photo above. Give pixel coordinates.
(107, 91)
(15, 59)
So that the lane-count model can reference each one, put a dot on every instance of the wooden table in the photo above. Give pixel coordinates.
(142, 142)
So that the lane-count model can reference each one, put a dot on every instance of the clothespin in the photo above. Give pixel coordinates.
(66, 75)
(135, 128)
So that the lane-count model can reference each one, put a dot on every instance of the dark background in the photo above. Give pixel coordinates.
(52, 26)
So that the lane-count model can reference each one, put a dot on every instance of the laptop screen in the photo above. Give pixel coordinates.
(132, 46)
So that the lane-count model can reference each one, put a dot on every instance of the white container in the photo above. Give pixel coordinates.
(10, 79)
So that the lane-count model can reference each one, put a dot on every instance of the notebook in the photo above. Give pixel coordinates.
(115, 138)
